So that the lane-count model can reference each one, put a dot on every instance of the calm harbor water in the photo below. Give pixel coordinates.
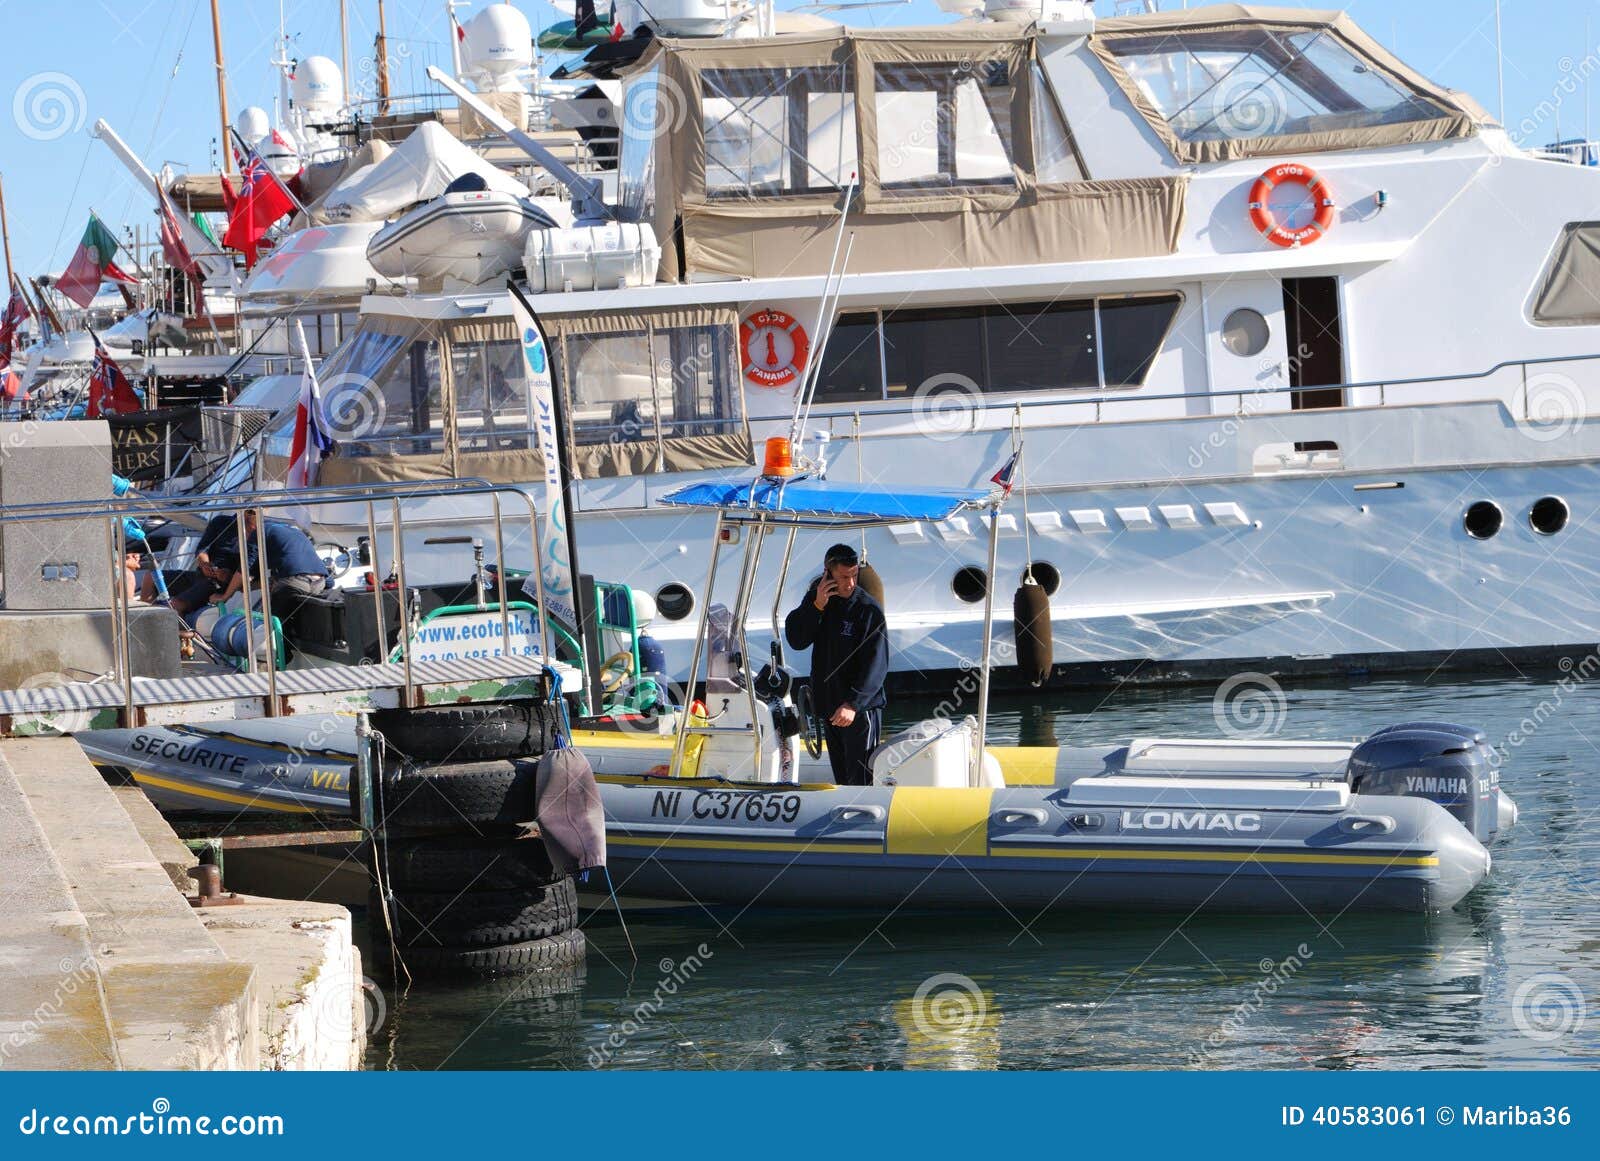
(1510, 979)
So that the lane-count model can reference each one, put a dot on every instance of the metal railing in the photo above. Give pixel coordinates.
(237, 504)
(1011, 401)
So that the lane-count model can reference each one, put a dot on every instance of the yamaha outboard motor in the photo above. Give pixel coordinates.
(1445, 763)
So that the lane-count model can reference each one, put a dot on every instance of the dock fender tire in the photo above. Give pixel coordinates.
(464, 797)
(484, 918)
(467, 733)
(556, 954)
(468, 864)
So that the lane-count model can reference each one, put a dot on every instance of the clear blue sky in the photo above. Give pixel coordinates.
(146, 67)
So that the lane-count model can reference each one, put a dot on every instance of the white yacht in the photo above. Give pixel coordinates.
(1302, 349)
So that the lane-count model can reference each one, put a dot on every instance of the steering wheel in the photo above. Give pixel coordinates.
(616, 669)
(812, 725)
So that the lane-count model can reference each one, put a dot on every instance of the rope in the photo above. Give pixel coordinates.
(1027, 531)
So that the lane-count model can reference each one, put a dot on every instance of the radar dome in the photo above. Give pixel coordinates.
(318, 86)
(499, 44)
(253, 123)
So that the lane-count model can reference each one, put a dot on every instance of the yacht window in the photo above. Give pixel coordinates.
(1054, 159)
(1081, 345)
(1233, 83)
(494, 410)
(943, 125)
(613, 388)
(1569, 293)
(638, 386)
(642, 104)
(852, 366)
(778, 131)
(1132, 331)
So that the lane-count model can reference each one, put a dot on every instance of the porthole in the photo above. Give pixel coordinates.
(1046, 575)
(674, 601)
(1483, 520)
(1245, 332)
(1549, 515)
(970, 584)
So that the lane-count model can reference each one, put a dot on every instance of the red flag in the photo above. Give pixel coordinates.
(117, 274)
(260, 202)
(16, 313)
(81, 281)
(109, 389)
(173, 249)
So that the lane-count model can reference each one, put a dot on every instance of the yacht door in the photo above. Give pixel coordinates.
(1247, 345)
(1311, 308)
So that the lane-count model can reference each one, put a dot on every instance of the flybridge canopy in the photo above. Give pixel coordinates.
(1230, 81)
(821, 502)
(740, 153)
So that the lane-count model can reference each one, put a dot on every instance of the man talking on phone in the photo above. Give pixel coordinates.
(844, 629)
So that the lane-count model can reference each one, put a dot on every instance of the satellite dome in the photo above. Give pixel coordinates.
(499, 44)
(253, 123)
(318, 86)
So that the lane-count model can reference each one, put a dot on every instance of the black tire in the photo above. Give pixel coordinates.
(467, 864)
(486, 732)
(558, 953)
(484, 918)
(480, 798)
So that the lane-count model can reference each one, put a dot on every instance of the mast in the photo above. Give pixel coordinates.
(344, 51)
(382, 47)
(222, 88)
(5, 232)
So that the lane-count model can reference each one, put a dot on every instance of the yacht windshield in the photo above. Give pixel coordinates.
(1240, 83)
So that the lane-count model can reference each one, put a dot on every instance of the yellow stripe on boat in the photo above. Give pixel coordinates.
(220, 795)
(1217, 856)
(1027, 765)
(939, 820)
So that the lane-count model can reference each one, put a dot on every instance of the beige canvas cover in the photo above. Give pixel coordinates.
(1570, 295)
(665, 453)
(1455, 118)
(1016, 223)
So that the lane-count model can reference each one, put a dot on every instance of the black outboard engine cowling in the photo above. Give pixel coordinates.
(1445, 763)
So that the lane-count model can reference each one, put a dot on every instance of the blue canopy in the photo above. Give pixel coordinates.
(824, 501)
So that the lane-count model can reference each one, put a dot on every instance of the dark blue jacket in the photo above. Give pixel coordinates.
(849, 645)
(289, 552)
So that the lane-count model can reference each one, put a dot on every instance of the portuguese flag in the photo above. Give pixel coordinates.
(92, 263)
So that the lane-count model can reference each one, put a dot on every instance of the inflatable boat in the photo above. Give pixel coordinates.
(1401, 821)
(471, 236)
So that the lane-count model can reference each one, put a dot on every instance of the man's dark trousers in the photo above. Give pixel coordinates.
(850, 746)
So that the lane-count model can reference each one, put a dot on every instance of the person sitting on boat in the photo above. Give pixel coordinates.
(216, 562)
(845, 631)
(294, 569)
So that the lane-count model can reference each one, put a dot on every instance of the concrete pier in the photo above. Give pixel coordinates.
(104, 964)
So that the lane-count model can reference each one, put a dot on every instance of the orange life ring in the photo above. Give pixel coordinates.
(1266, 222)
(774, 348)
